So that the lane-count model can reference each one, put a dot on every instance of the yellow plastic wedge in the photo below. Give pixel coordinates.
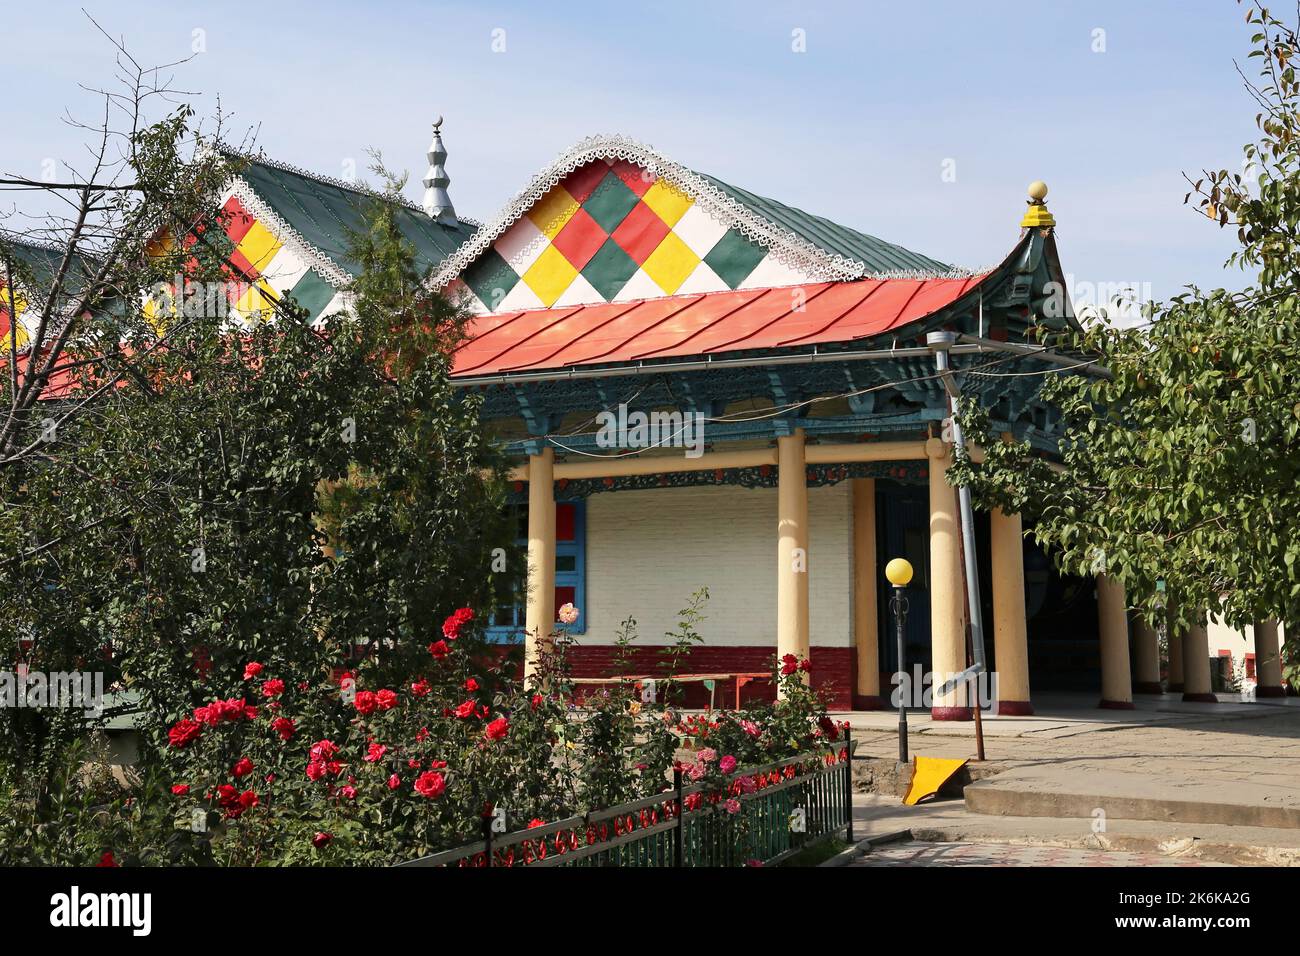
(928, 775)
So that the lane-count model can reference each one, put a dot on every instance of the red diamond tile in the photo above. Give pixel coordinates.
(581, 183)
(235, 219)
(579, 240)
(640, 233)
(637, 179)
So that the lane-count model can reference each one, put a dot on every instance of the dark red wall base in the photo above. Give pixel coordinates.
(832, 671)
(1117, 705)
(1148, 687)
(1262, 691)
(951, 713)
(1200, 698)
(1015, 708)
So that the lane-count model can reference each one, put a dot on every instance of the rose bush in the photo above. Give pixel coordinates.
(281, 768)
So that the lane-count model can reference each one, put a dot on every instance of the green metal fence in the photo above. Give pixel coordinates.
(780, 809)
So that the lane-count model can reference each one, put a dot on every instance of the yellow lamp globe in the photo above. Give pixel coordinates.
(899, 572)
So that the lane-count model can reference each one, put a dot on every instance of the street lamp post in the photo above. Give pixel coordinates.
(899, 573)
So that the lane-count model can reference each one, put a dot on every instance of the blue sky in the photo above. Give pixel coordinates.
(857, 128)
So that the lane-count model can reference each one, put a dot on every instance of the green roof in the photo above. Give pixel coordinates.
(876, 254)
(41, 262)
(324, 212)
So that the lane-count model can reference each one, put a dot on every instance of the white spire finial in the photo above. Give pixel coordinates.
(436, 201)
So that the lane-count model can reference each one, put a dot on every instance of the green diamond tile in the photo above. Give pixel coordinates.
(733, 257)
(610, 202)
(490, 278)
(609, 269)
(312, 293)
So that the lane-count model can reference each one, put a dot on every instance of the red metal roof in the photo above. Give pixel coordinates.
(703, 324)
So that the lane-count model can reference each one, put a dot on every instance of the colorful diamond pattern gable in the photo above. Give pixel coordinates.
(266, 269)
(612, 232)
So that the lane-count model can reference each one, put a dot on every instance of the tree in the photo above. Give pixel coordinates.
(181, 492)
(1181, 466)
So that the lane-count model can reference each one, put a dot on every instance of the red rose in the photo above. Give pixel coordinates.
(394, 782)
(324, 749)
(315, 770)
(536, 822)
(180, 789)
(789, 664)
(251, 670)
(376, 753)
(321, 839)
(805, 665)
(536, 701)
(430, 784)
(107, 859)
(184, 732)
(365, 702)
(465, 710)
(420, 688)
(386, 699)
(242, 768)
(437, 764)
(498, 729)
(471, 685)
(439, 649)
(248, 799)
(273, 687)
(283, 726)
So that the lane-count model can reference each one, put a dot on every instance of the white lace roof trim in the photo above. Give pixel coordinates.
(787, 246)
(264, 213)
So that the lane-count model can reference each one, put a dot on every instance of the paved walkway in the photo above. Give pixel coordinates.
(1218, 781)
(1001, 854)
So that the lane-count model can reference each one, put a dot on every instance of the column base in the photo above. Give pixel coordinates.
(1116, 704)
(1261, 691)
(1200, 699)
(869, 702)
(951, 713)
(1175, 688)
(1148, 687)
(1015, 708)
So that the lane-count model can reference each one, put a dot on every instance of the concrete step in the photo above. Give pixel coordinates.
(948, 821)
(1068, 793)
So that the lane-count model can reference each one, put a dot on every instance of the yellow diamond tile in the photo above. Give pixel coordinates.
(668, 202)
(670, 263)
(259, 246)
(8, 300)
(553, 211)
(257, 302)
(550, 275)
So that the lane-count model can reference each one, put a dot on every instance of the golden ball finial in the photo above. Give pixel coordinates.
(1038, 190)
(899, 572)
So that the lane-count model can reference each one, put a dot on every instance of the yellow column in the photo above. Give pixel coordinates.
(866, 619)
(1010, 629)
(947, 601)
(1268, 661)
(791, 547)
(1112, 619)
(1146, 658)
(539, 615)
(1175, 660)
(1196, 664)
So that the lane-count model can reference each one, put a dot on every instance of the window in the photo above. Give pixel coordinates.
(507, 626)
